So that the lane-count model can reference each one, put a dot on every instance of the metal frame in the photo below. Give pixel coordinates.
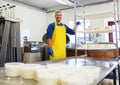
(116, 19)
(10, 44)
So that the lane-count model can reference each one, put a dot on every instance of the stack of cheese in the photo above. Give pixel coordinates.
(99, 28)
(47, 77)
(81, 75)
(67, 75)
(55, 74)
(13, 69)
(51, 74)
(98, 46)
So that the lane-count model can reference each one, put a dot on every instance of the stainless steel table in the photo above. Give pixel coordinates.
(106, 65)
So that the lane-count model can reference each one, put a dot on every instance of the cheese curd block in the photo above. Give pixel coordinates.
(29, 71)
(37, 69)
(84, 46)
(91, 45)
(97, 46)
(110, 46)
(86, 75)
(107, 27)
(13, 69)
(97, 28)
(92, 71)
(81, 75)
(72, 80)
(45, 77)
(44, 70)
(102, 46)
(89, 73)
(67, 75)
(101, 28)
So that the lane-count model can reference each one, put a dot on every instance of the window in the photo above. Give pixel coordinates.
(80, 36)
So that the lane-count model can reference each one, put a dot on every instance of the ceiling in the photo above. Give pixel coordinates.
(45, 4)
(41, 4)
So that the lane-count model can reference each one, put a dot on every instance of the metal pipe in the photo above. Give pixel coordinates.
(115, 20)
(118, 18)
(75, 30)
(118, 10)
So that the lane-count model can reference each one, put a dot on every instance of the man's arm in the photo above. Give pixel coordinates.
(75, 28)
(70, 31)
(49, 37)
(49, 41)
(50, 50)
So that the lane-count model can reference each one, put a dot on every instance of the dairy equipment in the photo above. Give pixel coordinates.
(35, 51)
(7, 10)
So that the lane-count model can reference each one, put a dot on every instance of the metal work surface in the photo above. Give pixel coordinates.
(106, 66)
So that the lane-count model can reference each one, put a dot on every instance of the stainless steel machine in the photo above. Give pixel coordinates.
(34, 51)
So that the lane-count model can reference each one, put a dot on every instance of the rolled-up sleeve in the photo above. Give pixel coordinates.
(50, 29)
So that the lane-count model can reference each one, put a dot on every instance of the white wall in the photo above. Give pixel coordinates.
(34, 22)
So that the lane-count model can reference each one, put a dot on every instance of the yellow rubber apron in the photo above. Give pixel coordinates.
(59, 42)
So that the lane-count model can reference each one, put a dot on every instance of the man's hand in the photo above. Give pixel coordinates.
(75, 28)
(78, 23)
(50, 51)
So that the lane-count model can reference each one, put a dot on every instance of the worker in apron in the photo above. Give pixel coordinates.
(56, 37)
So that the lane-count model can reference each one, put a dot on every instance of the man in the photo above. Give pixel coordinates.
(56, 37)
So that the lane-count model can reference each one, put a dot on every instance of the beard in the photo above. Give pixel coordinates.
(58, 20)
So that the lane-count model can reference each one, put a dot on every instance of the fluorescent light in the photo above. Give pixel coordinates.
(62, 2)
(65, 2)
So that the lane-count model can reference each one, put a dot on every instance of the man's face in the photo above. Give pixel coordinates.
(58, 16)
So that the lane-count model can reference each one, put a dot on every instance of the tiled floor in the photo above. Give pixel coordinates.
(108, 82)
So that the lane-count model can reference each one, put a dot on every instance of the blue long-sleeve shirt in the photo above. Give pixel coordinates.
(51, 27)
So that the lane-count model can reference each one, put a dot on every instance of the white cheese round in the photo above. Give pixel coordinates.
(29, 71)
(45, 77)
(13, 69)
